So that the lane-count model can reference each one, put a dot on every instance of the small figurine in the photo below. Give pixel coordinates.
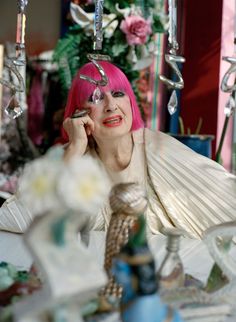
(134, 269)
(127, 201)
(69, 273)
(171, 271)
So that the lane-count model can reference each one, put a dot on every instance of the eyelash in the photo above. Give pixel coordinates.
(114, 94)
(118, 94)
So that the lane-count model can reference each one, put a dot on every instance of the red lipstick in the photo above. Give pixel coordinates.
(112, 121)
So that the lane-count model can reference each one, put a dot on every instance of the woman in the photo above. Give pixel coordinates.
(185, 189)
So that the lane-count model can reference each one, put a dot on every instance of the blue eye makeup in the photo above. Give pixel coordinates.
(117, 93)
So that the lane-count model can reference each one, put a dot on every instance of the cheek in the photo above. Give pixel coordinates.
(127, 106)
(94, 114)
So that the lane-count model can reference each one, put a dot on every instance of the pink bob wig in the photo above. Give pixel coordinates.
(81, 90)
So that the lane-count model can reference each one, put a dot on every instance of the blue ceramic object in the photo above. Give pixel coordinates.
(134, 270)
(199, 143)
(137, 307)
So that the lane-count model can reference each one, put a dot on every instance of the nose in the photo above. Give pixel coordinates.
(109, 103)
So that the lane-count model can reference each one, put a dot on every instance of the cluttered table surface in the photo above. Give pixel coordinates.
(194, 254)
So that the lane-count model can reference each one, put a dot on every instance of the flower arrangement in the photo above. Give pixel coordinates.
(128, 31)
(48, 184)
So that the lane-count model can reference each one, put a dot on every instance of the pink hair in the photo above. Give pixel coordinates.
(82, 89)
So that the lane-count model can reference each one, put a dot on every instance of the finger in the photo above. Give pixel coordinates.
(88, 130)
(86, 121)
(90, 123)
(66, 123)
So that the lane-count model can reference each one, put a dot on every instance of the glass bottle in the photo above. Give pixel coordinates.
(171, 273)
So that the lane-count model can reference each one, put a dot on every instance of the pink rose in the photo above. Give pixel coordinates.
(136, 29)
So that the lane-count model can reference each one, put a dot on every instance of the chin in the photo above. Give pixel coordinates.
(115, 131)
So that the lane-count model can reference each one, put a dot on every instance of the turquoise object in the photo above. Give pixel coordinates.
(136, 306)
(5, 280)
(58, 231)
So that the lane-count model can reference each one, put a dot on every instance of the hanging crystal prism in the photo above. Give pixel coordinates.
(97, 95)
(13, 108)
(230, 106)
(98, 17)
(173, 102)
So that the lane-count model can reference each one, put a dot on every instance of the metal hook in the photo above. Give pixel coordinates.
(16, 88)
(232, 69)
(21, 5)
(172, 61)
(104, 79)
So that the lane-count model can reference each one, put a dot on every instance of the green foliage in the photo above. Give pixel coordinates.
(157, 25)
(138, 237)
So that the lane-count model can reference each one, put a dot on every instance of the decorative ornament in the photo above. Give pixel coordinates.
(10, 64)
(171, 271)
(127, 201)
(104, 79)
(134, 269)
(98, 36)
(218, 240)
(97, 94)
(172, 59)
(225, 87)
(173, 102)
(20, 33)
(97, 45)
(22, 4)
(14, 108)
(230, 106)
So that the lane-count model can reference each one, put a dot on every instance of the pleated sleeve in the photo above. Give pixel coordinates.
(14, 216)
(195, 191)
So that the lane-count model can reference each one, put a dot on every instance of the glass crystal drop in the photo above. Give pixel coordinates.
(13, 108)
(97, 94)
(173, 102)
(230, 106)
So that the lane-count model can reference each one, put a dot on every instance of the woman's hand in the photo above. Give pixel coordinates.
(77, 130)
